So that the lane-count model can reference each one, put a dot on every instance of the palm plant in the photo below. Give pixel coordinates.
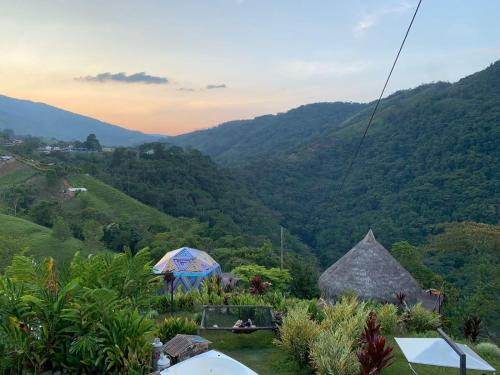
(124, 342)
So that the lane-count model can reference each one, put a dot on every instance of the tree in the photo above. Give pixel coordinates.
(19, 197)
(43, 212)
(92, 143)
(410, 258)
(92, 231)
(305, 276)
(61, 229)
(51, 177)
(279, 279)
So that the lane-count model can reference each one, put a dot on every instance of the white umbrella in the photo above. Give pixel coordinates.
(209, 363)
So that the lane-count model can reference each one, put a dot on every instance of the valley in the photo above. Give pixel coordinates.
(426, 181)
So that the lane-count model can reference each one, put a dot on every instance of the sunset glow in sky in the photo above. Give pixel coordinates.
(169, 67)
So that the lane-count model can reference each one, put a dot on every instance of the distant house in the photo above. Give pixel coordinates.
(13, 142)
(45, 149)
(77, 189)
(6, 157)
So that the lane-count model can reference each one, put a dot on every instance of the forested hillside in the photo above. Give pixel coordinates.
(236, 141)
(431, 156)
(185, 184)
(463, 260)
(217, 213)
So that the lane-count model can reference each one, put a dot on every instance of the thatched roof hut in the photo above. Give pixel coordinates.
(372, 272)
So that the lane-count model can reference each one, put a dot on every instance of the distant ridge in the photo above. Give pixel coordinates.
(42, 120)
(268, 135)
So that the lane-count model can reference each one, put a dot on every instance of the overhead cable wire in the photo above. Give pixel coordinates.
(355, 155)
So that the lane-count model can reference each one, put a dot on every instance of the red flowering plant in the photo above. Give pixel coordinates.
(258, 286)
(374, 354)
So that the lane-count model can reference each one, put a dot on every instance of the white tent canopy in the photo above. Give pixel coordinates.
(209, 363)
(437, 352)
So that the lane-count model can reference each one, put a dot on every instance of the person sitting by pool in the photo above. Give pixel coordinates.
(240, 324)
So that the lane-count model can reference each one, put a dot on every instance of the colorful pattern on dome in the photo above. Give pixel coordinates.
(189, 266)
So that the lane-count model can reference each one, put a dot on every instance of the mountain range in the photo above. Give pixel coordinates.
(42, 120)
(267, 135)
(431, 156)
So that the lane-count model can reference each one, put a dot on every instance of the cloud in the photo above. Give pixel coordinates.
(140, 77)
(212, 87)
(368, 21)
(311, 68)
(185, 89)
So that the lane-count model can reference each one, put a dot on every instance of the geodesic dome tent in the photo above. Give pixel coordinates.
(189, 266)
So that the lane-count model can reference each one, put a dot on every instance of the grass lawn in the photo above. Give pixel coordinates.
(257, 352)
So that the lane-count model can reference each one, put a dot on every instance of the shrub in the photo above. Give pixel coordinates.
(279, 302)
(258, 286)
(297, 334)
(334, 350)
(387, 316)
(488, 350)
(95, 322)
(243, 299)
(161, 304)
(123, 343)
(175, 325)
(211, 292)
(187, 301)
(213, 285)
(279, 279)
(315, 311)
(348, 312)
(332, 353)
(419, 319)
(276, 299)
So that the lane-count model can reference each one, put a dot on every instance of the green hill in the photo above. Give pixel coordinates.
(236, 141)
(183, 184)
(22, 236)
(431, 156)
(103, 217)
(113, 203)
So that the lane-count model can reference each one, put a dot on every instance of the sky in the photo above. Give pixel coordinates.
(170, 67)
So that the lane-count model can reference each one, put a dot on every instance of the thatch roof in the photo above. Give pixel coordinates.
(372, 272)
